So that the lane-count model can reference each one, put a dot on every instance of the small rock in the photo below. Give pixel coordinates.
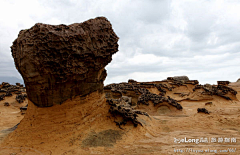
(6, 104)
(203, 110)
(209, 103)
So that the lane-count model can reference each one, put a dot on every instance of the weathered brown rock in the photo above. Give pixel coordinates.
(58, 62)
(181, 78)
(203, 110)
(223, 83)
(126, 111)
(238, 80)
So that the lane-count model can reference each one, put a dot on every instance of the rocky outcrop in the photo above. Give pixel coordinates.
(123, 108)
(9, 90)
(203, 110)
(219, 90)
(181, 78)
(238, 80)
(58, 62)
(143, 95)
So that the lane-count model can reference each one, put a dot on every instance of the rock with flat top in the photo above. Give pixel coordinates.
(181, 78)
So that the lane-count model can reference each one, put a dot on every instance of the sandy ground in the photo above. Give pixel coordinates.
(9, 116)
(84, 126)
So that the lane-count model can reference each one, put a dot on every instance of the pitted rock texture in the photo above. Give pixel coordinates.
(58, 62)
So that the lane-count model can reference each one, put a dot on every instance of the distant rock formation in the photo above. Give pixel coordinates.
(10, 79)
(8, 90)
(223, 83)
(181, 78)
(238, 80)
(58, 62)
(141, 93)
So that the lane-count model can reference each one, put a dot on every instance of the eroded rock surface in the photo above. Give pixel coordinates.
(125, 110)
(58, 62)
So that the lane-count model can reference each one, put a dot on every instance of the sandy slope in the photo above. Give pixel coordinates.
(9, 116)
(84, 126)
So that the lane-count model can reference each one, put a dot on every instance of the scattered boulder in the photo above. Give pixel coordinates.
(223, 83)
(8, 93)
(58, 62)
(203, 110)
(21, 97)
(24, 108)
(2, 97)
(6, 104)
(8, 89)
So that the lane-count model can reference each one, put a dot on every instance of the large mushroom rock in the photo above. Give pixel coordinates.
(58, 62)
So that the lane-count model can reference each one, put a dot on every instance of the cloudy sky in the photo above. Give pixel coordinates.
(158, 38)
